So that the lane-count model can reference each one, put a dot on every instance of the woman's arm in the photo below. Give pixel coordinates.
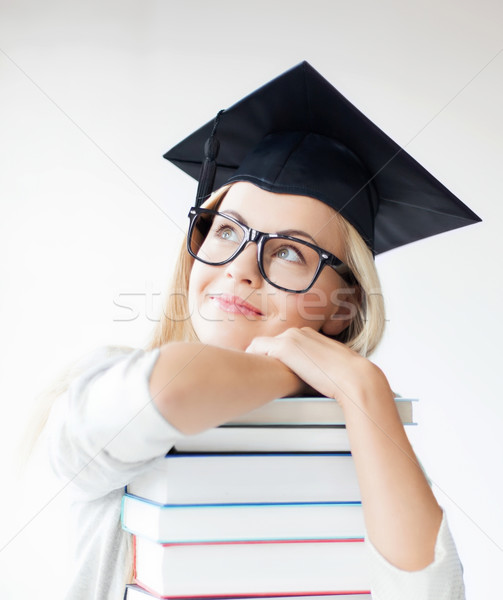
(196, 386)
(401, 514)
(104, 430)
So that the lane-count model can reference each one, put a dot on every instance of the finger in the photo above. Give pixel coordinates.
(260, 345)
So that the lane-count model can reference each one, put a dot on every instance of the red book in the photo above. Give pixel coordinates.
(135, 592)
(245, 569)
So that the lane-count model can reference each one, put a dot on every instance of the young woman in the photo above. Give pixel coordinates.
(276, 294)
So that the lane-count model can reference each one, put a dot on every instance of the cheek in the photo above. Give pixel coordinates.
(200, 274)
(196, 285)
(192, 284)
(315, 305)
(309, 309)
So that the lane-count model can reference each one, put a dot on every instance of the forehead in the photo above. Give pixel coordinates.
(271, 212)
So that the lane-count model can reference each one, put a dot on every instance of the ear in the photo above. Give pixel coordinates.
(345, 309)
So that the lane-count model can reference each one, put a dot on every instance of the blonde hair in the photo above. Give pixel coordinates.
(362, 335)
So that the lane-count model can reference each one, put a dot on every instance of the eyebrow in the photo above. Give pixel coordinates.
(290, 232)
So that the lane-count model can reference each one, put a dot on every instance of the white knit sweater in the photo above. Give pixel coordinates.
(105, 430)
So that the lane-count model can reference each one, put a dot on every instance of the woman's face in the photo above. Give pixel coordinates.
(231, 304)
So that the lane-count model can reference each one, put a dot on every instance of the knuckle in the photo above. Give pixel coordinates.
(292, 333)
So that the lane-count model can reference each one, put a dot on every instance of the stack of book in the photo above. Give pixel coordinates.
(266, 506)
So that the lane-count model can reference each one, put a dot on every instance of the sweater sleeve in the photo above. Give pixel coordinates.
(105, 429)
(440, 580)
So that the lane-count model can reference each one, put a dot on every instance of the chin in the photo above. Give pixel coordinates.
(224, 338)
(231, 342)
(233, 346)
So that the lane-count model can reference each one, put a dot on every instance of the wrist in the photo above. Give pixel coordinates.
(370, 384)
(292, 384)
(288, 383)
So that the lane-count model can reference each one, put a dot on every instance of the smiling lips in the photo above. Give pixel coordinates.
(234, 304)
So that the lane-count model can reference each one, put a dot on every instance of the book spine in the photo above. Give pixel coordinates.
(134, 557)
(257, 542)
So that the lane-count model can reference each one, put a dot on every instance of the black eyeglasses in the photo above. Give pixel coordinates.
(286, 262)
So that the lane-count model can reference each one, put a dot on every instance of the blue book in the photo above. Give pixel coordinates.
(191, 478)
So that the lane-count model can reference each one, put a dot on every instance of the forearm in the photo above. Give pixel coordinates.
(196, 386)
(401, 514)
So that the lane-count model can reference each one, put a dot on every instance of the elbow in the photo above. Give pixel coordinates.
(173, 406)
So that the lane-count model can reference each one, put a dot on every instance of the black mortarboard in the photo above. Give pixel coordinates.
(297, 134)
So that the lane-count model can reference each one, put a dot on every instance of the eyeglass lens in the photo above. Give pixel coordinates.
(286, 263)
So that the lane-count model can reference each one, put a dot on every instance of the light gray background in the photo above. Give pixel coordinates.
(92, 93)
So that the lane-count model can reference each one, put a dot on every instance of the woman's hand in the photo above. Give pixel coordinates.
(324, 364)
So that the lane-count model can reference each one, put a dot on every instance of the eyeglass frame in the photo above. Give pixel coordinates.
(325, 258)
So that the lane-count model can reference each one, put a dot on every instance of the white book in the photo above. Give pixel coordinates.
(251, 568)
(253, 438)
(241, 522)
(249, 478)
(284, 425)
(310, 411)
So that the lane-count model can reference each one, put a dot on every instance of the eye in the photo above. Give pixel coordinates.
(290, 253)
(227, 233)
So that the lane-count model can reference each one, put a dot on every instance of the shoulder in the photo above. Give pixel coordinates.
(99, 359)
(88, 366)
(101, 354)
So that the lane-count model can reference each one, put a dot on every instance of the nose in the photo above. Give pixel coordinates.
(244, 268)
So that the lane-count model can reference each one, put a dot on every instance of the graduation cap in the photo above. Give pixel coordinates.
(297, 134)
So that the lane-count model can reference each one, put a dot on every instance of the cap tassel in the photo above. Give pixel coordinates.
(209, 165)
